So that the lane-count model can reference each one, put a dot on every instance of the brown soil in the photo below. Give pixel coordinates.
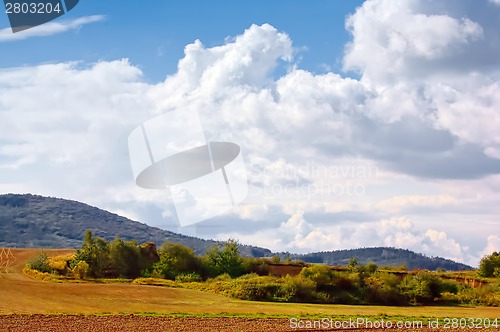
(44, 323)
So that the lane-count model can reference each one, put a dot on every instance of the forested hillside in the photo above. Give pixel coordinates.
(381, 256)
(36, 221)
(46, 222)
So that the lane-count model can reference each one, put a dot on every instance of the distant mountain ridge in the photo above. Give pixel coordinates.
(35, 221)
(382, 256)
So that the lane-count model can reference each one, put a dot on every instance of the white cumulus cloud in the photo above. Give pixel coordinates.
(389, 36)
(64, 128)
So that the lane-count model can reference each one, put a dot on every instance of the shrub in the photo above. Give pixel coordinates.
(44, 276)
(158, 270)
(322, 297)
(319, 274)
(383, 288)
(371, 267)
(176, 259)
(422, 287)
(255, 291)
(61, 264)
(488, 264)
(256, 265)
(125, 257)
(188, 277)
(344, 282)
(40, 263)
(449, 286)
(275, 259)
(223, 277)
(296, 289)
(225, 260)
(95, 251)
(486, 295)
(149, 255)
(344, 297)
(80, 270)
(248, 276)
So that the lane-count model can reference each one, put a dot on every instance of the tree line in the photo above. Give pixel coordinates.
(99, 258)
(222, 270)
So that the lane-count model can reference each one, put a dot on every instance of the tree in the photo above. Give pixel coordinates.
(226, 260)
(176, 259)
(422, 287)
(353, 264)
(489, 264)
(384, 288)
(87, 240)
(125, 258)
(371, 267)
(149, 255)
(95, 252)
(275, 259)
(318, 273)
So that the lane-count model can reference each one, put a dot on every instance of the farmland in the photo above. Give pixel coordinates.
(64, 303)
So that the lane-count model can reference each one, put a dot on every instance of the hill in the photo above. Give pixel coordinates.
(382, 256)
(32, 221)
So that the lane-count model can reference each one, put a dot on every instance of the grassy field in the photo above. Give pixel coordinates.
(22, 294)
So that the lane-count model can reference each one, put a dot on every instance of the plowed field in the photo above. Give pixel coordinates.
(42, 323)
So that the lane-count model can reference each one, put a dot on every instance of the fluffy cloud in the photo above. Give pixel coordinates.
(393, 39)
(242, 64)
(414, 115)
(298, 234)
(493, 244)
(469, 110)
(64, 127)
(426, 64)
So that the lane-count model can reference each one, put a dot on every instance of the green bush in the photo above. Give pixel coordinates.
(422, 287)
(344, 281)
(255, 291)
(256, 265)
(344, 297)
(449, 286)
(488, 264)
(125, 259)
(319, 274)
(176, 259)
(371, 267)
(383, 288)
(226, 260)
(158, 270)
(223, 277)
(80, 270)
(487, 295)
(95, 251)
(40, 263)
(296, 289)
(188, 277)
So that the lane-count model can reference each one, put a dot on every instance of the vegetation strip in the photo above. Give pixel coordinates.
(223, 271)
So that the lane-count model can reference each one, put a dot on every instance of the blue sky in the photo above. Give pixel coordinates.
(153, 34)
(360, 123)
